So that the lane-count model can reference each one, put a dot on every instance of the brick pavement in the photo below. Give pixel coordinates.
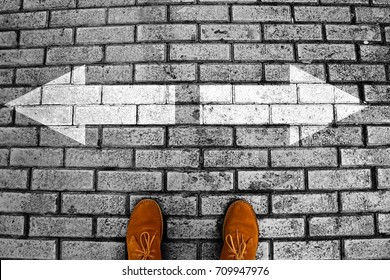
(193, 103)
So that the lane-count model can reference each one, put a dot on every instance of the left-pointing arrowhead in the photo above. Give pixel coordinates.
(30, 110)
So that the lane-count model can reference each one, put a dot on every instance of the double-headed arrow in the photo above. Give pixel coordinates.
(69, 108)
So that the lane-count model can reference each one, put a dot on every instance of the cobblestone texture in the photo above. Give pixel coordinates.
(195, 104)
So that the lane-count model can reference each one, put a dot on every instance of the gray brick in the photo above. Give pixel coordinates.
(377, 93)
(167, 158)
(13, 178)
(292, 32)
(165, 72)
(282, 73)
(345, 2)
(375, 53)
(167, 32)
(365, 157)
(187, 93)
(323, 14)
(192, 228)
(136, 53)
(341, 226)
(381, 2)
(170, 205)
(331, 136)
(21, 57)
(199, 13)
(362, 115)
(230, 32)
(304, 157)
(200, 52)
(18, 136)
(36, 157)
(384, 223)
(23, 20)
(106, 74)
(129, 181)
(281, 228)
(353, 33)
(60, 226)
(383, 178)
(5, 117)
(309, 52)
(111, 227)
(217, 205)
(11, 225)
(365, 201)
(137, 15)
(311, 250)
(104, 3)
(120, 158)
(8, 39)
(9, 5)
(235, 158)
(340, 179)
(200, 181)
(79, 17)
(357, 73)
(372, 15)
(74, 55)
(41, 76)
(41, 203)
(169, 114)
(179, 251)
(4, 154)
(105, 35)
(133, 137)
(62, 180)
(305, 203)
(28, 249)
(56, 138)
(361, 249)
(164, 1)
(212, 251)
(230, 72)
(267, 136)
(286, 1)
(93, 204)
(261, 13)
(49, 37)
(48, 4)
(12, 96)
(271, 180)
(263, 52)
(6, 76)
(92, 250)
(378, 135)
(200, 136)
(48, 115)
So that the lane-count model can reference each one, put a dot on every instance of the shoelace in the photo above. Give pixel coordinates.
(237, 253)
(146, 244)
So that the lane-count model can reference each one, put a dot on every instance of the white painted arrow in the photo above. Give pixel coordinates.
(68, 108)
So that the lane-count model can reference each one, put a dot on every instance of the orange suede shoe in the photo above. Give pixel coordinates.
(240, 232)
(144, 231)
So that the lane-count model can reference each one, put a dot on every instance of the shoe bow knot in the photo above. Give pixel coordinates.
(145, 244)
(239, 252)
